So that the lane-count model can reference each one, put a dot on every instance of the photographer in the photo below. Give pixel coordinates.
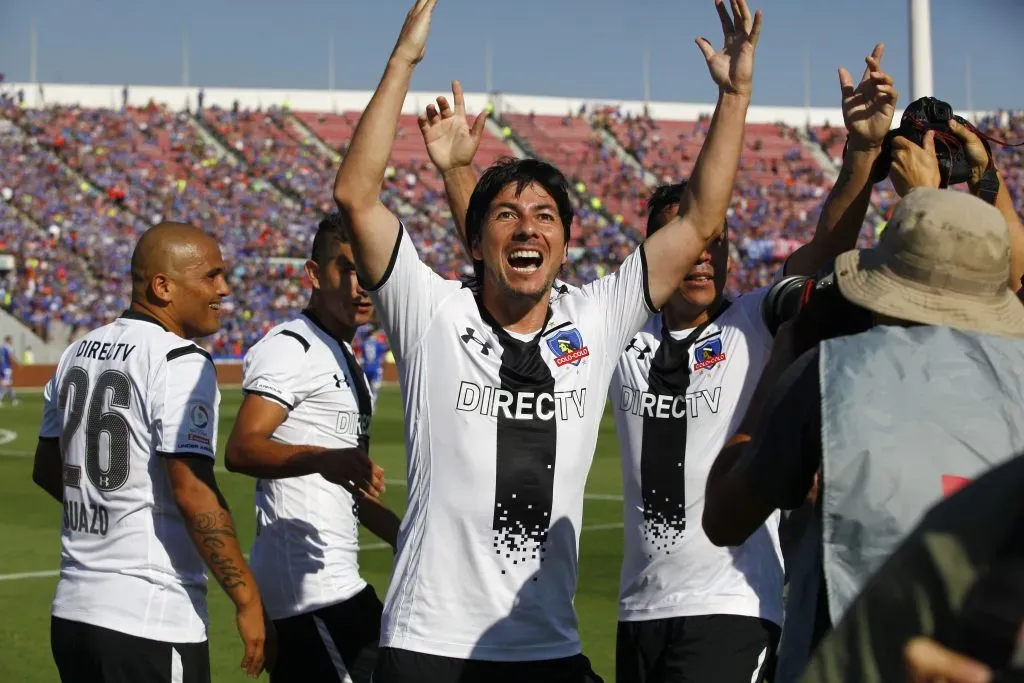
(949, 603)
(894, 416)
(916, 165)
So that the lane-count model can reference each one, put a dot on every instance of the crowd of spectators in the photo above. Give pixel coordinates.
(79, 185)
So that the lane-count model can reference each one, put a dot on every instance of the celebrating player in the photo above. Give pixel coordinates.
(127, 444)
(503, 392)
(303, 431)
(689, 609)
(684, 603)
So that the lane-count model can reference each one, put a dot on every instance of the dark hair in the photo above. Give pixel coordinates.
(333, 228)
(662, 198)
(522, 172)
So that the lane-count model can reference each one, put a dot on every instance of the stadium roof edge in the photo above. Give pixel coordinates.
(355, 100)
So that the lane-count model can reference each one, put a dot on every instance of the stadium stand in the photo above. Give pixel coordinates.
(83, 182)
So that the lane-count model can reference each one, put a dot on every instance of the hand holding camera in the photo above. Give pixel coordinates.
(914, 165)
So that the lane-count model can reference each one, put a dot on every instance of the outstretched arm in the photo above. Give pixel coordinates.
(672, 251)
(868, 109)
(452, 143)
(358, 185)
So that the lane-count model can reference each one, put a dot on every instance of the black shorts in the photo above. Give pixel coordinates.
(330, 643)
(718, 647)
(405, 666)
(92, 654)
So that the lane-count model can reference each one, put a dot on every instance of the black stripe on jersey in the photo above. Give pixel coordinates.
(186, 350)
(360, 389)
(525, 453)
(297, 337)
(49, 439)
(391, 263)
(272, 397)
(646, 279)
(663, 443)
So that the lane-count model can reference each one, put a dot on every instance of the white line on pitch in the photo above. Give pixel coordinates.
(390, 482)
(18, 576)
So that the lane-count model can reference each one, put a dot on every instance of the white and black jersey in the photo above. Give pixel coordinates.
(677, 398)
(123, 397)
(500, 435)
(305, 554)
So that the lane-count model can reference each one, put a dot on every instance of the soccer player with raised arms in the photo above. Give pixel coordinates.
(504, 386)
(127, 445)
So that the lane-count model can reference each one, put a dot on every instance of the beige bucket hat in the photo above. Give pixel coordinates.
(943, 259)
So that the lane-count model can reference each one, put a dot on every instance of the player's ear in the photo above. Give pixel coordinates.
(565, 254)
(162, 288)
(313, 272)
(476, 247)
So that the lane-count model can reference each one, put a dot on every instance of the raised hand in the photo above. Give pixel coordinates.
(412, 41)
(869, 106)
(732, 67)
(450, 140)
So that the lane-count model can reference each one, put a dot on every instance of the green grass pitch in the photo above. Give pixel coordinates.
(30, 543)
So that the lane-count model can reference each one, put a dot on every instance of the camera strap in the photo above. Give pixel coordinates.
(988, 187)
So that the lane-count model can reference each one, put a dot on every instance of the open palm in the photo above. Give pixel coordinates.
(869, 107)
(451, 141)
(732, 67)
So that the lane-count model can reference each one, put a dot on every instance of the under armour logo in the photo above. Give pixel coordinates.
(338, 381)
(641, 352)
(485, 347)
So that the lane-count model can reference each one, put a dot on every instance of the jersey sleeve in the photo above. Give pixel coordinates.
(275, 369)
(623, 299)
(186, 402)
(407, 296)
(53, 416)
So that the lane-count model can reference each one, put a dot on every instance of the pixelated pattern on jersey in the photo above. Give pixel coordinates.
(663, 450)
(525, 460)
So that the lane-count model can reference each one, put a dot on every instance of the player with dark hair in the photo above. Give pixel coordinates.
(504, 384)
(128, 445)
(304, 432)
(689, 610)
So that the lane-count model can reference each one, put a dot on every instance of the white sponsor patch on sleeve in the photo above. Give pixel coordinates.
(197, 428)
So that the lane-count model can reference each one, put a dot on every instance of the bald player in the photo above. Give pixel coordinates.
(127, 446)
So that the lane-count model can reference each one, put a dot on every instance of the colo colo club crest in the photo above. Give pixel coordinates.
(568, 347)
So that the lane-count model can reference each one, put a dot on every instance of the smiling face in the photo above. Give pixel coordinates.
(522, 244)
(197, 287)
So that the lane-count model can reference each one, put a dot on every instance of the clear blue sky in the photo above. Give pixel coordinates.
(585, 48)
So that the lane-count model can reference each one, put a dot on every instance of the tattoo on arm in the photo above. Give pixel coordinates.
(215, 534)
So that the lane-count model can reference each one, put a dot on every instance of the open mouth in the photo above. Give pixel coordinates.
(700, 278)
(215, 306)
(525, 261)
